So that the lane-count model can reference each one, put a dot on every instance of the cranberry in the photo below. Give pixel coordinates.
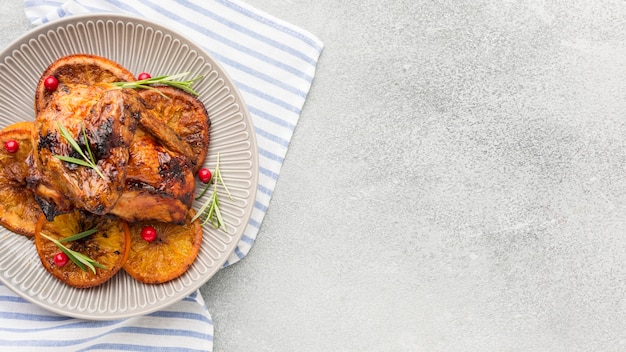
(11, 146)
(143, 75)
(204, 175)
(60, 259)
(148, 233)
(51, 83)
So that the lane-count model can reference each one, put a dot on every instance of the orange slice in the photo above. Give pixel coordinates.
(108, 246)
(19, 210)
(168, 256)
(82, 69)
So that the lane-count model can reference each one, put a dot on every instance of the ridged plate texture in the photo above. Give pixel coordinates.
(138, 45)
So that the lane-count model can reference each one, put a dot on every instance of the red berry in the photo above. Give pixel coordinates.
(11, 146)
(143, 75)
(51, 83)
(204, 175)
(148, 233)
(60, 259)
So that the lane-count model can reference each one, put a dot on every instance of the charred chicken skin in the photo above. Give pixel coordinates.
(159, 183)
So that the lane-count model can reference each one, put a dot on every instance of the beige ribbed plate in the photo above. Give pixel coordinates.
(138, 45)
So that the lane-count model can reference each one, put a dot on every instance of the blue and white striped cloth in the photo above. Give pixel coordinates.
(273, 64)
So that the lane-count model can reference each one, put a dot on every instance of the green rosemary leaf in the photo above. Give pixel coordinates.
(92, 264)
(86, 141)
(79, 235)
(88, 161)
(219, 177)
(205, 188)
(81, 260)
(70, 256)
(210, 210)
(169, 80)
(209, 214)
(85, 261)
(68, 137)
(69, 159)
(218, 218)
(202, 209)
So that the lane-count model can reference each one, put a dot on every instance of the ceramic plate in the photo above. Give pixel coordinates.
(138, 45)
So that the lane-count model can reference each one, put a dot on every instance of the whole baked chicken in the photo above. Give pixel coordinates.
(144, 153)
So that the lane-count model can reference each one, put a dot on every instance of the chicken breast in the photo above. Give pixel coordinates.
(99, 118)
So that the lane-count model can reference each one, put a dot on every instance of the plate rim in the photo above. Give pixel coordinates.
(37, 31)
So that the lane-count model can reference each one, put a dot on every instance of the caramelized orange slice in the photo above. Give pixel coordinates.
(185, 114)
(109, 246)
(18, 210)
(82, 69)
(168, 256)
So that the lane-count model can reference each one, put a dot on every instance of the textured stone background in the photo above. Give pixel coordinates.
(456, 183)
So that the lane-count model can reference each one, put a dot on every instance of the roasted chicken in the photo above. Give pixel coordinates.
(103, 161)
(146, 147)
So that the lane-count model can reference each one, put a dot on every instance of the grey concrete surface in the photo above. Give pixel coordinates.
(456, 183)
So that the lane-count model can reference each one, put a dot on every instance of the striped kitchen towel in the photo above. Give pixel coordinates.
(273, 64)
(183, 326)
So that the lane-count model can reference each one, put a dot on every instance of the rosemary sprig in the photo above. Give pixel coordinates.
(78, 236)
(82, 261)
(88, 161)
(210, 210)
(168, 80)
